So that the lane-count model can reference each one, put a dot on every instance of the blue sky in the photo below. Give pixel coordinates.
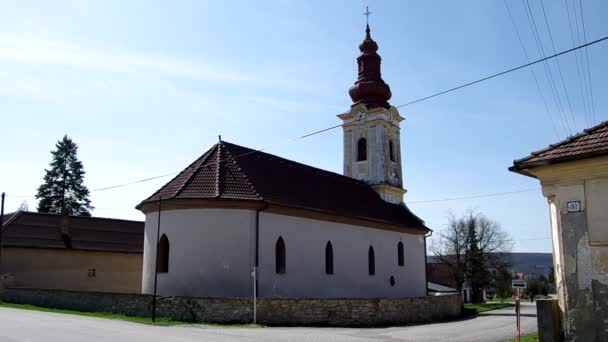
(145, 87)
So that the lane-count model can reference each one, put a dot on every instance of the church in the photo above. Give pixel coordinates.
(238, 222)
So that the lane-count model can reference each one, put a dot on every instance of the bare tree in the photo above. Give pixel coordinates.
(23, 206)
(471, 246)
(450, 248)
(494, 243)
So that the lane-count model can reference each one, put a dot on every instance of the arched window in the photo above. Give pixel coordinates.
(162, 255)
(400, 256)
(371, 261)
(280, 256)
(329, 258)
(361, 149)
(391, 152)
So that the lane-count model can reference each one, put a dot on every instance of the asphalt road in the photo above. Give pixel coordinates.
(26, 325)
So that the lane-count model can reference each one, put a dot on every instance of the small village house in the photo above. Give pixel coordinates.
(574, 177)
(50, 251)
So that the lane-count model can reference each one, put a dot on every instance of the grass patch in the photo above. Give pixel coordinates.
(137, 319)
(473, 309)
(533, 337)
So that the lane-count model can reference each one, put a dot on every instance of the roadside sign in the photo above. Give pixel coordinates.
(518, 284)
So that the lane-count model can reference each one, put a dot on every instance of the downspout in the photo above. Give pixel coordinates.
(426, 265)
(256, 260)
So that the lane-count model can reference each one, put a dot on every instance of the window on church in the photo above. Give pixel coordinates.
(280, 256)
(400, 256)
(362, 149)
(391, 152)
(162, 255)
(371, 261)
(329, 258)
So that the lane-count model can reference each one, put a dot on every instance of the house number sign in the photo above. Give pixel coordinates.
(574, 206)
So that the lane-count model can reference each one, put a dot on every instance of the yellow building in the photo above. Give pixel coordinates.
(49, 251)
(574, 178)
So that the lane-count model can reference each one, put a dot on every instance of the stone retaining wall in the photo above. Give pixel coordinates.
(270, 311)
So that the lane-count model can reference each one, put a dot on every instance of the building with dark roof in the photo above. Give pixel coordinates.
(238, 219)
(574, 177)
(51, 251)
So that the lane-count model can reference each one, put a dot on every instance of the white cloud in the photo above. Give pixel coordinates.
(47, 52)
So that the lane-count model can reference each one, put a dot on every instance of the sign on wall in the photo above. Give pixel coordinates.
(574, 206)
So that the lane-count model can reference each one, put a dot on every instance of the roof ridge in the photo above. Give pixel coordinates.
(203, 159)
(218, 171)
(570, 139)
(244, 174)
(10, 220)
(298, 164)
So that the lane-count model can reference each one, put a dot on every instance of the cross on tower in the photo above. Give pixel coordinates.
(366, 14)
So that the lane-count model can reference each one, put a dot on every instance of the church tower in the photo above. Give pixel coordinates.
(372, 144)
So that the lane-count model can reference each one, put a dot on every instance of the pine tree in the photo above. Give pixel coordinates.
(63, 186)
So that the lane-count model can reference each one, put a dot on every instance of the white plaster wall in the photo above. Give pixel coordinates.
(210, 252)
(305, 241)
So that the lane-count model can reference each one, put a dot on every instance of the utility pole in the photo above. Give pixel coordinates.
(1, 223)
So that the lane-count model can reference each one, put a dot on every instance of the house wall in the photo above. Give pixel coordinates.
(68, 269)
(305, 242)
(580, 244)
(210, 252)
(212, 255)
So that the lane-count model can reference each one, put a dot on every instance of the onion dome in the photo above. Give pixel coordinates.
(369, 88)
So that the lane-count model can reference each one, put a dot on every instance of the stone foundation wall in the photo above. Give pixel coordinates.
(270, 311)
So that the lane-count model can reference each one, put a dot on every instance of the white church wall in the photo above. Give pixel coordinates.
(305, 241)
(210, 252)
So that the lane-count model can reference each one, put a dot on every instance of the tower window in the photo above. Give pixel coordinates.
(391, 152)
(371, 261)
(361, 149)
(400, 256)
(280, 256)
(329, 258)
(162, 255)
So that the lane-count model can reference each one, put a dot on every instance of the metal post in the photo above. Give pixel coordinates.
(156, 261)
(1, 223)
(255, 294)
(517, 311)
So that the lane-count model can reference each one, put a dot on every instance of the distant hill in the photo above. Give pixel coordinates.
(530, 264)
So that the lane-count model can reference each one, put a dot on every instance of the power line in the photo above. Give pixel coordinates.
(559, 68)
(540, 93)
(548, 73)
(374, 114)
(473, 196)
(576, 55)
(587, 58)
(502, 72)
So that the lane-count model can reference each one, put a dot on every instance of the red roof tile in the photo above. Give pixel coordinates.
(229, 171)
(590, 143)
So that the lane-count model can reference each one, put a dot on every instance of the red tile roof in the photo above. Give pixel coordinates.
(40, 230)
(229, 171)
(591, 142)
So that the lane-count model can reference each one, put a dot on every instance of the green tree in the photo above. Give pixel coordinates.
(502, 282)
(63, 186)
(476, 272)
